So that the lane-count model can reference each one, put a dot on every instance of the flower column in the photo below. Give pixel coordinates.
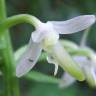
(10, 81)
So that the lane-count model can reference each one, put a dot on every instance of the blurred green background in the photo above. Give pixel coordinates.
(47, 10)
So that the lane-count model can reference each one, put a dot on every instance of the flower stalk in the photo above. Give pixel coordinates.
(17, 19)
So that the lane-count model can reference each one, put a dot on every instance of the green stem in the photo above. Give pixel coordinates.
(84, 37)
(11, 87)
(17, 19)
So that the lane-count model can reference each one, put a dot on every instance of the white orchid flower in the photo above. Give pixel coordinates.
(46, 37)
(88, 69)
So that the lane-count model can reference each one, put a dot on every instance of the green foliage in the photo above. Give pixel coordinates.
(39, 77)
(53, 90)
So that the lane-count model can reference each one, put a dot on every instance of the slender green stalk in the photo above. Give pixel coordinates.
(11, 87)
(17, 19)
(84, 37)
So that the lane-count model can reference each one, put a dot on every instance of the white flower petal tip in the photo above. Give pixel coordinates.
(67, 80)
(92, 18)
(24, 68)
(18, 74)
(73, 25)
(28, 58)
(88, 69)
(90, 76)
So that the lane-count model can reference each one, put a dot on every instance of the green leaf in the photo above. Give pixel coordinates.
(37, 76)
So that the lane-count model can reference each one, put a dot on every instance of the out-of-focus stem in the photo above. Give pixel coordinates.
(11, 87)
(84, 37)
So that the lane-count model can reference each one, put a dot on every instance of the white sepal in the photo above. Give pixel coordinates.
(88, 69)
(82, 61)
(73, 25)
(67, 80)
(90, 75)
(28, 58)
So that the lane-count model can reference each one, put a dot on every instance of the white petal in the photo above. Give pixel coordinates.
(93, 58)
(82, 61)
(87, 68)
(90, 75)
(93, 71)
(73, 25)
(67, 80)
(53, 61)
(28, 59)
